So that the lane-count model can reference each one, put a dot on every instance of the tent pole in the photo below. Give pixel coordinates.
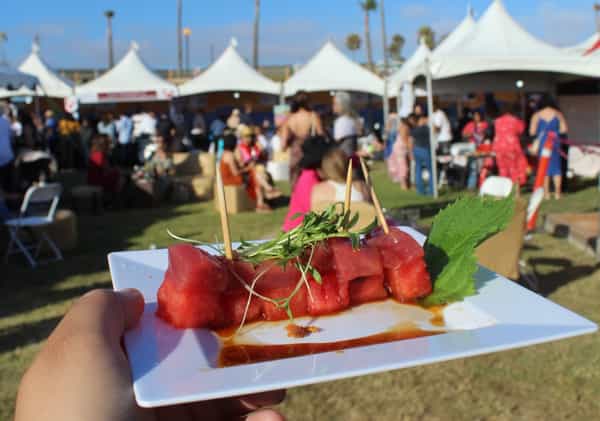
(386, 104)
(432, 137)
(281, 95)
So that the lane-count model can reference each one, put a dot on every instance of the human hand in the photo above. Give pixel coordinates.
(82, 372)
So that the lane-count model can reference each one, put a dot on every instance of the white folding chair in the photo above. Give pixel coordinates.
(496, 186)
(39, 197)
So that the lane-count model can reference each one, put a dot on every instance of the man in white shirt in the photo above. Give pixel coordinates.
(6, 153)
(443, 129)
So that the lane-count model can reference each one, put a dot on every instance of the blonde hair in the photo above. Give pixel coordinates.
(334, 165)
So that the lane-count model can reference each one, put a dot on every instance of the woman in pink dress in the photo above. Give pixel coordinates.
(312, 155)
(510, 157)
(398, 165)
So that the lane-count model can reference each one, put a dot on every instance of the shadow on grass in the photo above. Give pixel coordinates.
(42, 295)
(26, 334)
(23, 289)
(562, 272)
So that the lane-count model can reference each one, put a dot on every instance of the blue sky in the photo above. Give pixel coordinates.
(72, 32)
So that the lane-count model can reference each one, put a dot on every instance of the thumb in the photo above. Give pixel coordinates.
(105, 313)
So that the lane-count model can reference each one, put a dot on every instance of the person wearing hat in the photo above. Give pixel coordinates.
(300, 201)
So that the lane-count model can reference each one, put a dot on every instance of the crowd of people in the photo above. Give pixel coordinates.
(135, 148)
(494, 141)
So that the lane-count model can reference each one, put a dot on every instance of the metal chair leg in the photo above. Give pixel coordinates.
(24, 249)
(53, 246)
(11, 243)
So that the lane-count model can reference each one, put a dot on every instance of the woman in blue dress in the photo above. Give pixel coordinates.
(548, 119)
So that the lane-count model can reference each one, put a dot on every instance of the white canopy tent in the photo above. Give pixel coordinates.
(581, 48)
(130, 80)
(401, 82)
(230, 72)
(330, 70)
(410, 67)
(459, 35)
(49, 83)
(499, 44)
(500, 54)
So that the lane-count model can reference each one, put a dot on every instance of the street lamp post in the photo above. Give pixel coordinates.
(186, 33)
(3, 39)
(385, 65)
(179, 40)
(110, 14)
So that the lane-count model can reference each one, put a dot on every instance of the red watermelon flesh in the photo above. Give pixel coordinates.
(325, 298)
(196, 270)
(190, 293)
(404, 262)
(234, 305)
(235, 298)
(322, 259)
(278, 282)
(187, 308)
(353, 263)
(396, 247)
(365, 290)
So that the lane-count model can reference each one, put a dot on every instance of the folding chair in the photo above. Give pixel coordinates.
(36, 199)
(496, 186)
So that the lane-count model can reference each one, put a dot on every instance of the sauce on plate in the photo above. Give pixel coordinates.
(233, 354)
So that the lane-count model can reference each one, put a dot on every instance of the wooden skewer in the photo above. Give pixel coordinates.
(376, 203)
(224, 216)
(348, 187)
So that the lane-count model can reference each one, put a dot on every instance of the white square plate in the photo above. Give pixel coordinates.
(171, 366)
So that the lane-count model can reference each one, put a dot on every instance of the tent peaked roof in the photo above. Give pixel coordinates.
(230, 72)
(130, 80)
(330, 70)
(497, 33)
(499, 44)
(410, 67)
(51, 84)
(458, 35)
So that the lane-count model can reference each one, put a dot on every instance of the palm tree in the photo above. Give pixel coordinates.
(109, 14)
(368, 6)
(426, 33)
(353, 42)
(396, 46)
(255, 40)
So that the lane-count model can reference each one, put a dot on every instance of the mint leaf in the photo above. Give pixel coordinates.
(450, 249)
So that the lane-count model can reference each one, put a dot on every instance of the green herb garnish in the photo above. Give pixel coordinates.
(455, 234)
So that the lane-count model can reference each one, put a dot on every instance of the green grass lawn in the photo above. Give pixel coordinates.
(553, 381)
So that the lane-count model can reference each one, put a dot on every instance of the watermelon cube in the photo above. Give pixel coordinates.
(325, 298)
(279, 283)
(365, 290)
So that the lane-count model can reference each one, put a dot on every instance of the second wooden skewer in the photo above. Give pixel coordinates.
(224, 216)
(376, 203)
